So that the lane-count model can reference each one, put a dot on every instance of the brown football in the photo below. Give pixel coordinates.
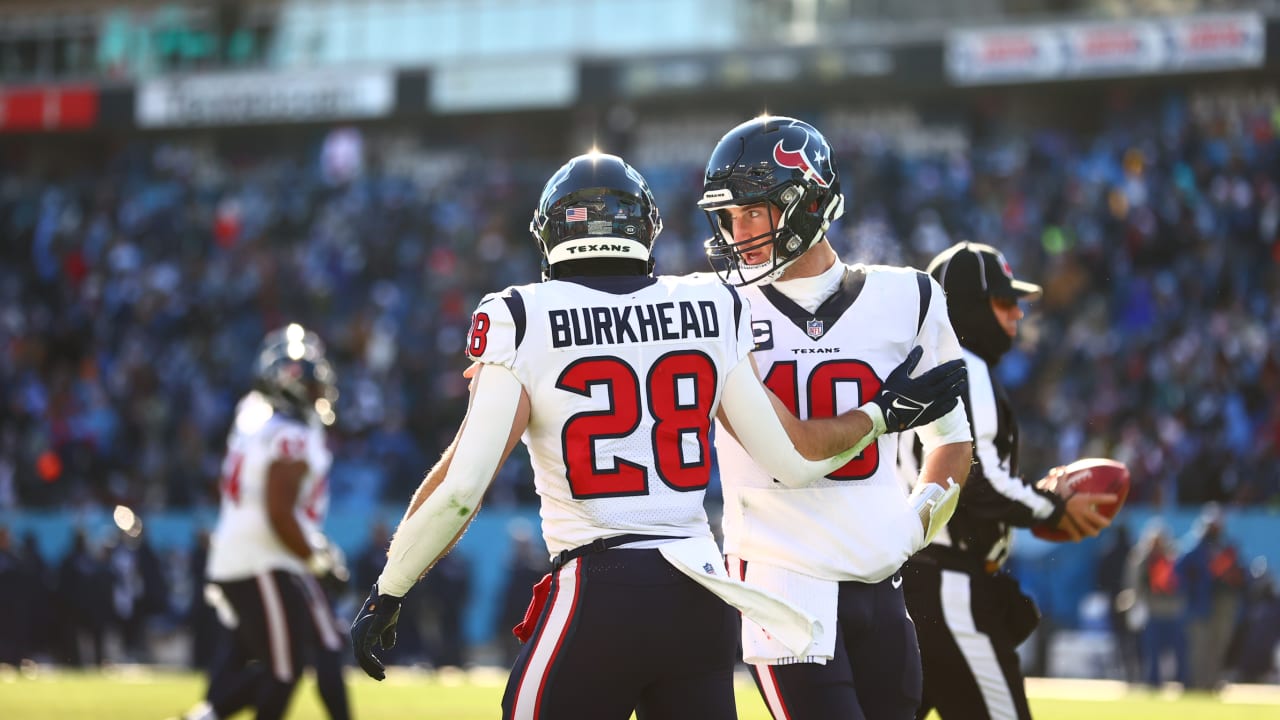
(1089, 475)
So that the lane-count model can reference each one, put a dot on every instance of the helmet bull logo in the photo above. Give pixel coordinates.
(797, 160)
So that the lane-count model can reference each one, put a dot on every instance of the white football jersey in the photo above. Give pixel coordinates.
(855, 524)
(243, 543)
(624, 376)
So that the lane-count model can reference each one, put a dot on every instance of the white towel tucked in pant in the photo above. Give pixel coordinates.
(788, 626)
(815, 597)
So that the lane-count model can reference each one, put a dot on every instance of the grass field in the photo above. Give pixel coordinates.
(152, 695)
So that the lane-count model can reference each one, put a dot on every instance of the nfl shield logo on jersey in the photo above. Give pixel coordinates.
(814, 328)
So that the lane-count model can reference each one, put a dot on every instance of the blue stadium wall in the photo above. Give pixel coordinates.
(1058, 574)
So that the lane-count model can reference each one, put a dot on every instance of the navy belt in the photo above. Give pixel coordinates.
(602, 544)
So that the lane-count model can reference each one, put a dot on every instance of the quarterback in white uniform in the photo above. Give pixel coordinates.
(857, 522)
(267, 547)
(827, 336)
(611, 376)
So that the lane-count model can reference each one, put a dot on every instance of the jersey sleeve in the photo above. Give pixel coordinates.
(497, 329)
(936, 335)
(940, 344)
(288, 442)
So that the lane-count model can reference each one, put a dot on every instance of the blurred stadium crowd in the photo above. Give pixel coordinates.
(135, 283)
(135, 288)
(1156, 239)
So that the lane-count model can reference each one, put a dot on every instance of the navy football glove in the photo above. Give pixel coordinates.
(375, 625)
(909, 402)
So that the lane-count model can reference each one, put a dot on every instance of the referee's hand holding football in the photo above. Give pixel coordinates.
(1081, 518)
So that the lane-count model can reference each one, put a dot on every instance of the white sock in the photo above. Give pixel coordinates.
(202, 711)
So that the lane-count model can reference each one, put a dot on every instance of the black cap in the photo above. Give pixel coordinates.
(975, 270)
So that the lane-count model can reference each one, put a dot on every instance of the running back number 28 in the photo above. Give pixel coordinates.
(679, 390)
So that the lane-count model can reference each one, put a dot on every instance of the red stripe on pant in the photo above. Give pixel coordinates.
(560, 611)
(772, 692)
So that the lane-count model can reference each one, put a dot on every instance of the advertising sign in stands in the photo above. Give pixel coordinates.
(1217, 41)
(1105, 49)
(647, 77)
(506, 84)
(265, 97)
(1120, 48)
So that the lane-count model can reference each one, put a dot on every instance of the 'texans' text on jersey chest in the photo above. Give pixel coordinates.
(815, 351)
(618, 324)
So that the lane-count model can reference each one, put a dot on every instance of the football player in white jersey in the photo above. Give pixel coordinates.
(611, 376)
(267, 547)
(827, 335)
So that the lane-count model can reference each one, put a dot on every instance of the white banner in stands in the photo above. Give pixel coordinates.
(1014, 54)
(488, 85)
(264, 97)
(1119, 48)
(1217, 41)
(1082, 50)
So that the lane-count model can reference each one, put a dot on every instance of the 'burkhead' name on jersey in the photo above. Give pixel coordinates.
(621, 324)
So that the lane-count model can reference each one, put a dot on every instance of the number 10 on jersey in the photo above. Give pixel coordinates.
(821, 387)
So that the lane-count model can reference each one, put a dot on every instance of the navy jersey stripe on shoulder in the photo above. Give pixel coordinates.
(926, 294)
(737, 306)
(515, 305)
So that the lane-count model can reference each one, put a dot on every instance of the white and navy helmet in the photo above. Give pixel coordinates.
(291, 371)
(770, 159)
(595, 206)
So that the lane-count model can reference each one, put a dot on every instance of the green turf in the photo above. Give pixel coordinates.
(146, 695)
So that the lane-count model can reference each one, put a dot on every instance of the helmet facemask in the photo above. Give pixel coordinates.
(779, 162)
(798, 228)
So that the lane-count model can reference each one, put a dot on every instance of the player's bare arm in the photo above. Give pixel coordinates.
(820, 438)
(936, 495)
(948, 462)
(815, 447)
(443, 505)
(455, 495)
(284, 479)
(759, 421)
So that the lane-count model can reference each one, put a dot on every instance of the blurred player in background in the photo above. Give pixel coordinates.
(826, 336)
(612, 376)
(267, 549)
(970, 615)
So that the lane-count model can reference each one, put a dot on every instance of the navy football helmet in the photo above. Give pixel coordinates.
(291, 371)
(595, 206)
(777, 160)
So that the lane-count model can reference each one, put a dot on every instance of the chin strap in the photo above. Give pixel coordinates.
(934, 506)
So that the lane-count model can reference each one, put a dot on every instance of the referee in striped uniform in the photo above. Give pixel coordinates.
(970, 614)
